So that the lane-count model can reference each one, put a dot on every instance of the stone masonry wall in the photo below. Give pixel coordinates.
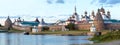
(22, 28)
(83, 26)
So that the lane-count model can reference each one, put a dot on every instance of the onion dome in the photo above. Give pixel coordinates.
(36, 20)
(102, 10)
(73, 16)
(108, 12)
(98, 15)
(85, 12)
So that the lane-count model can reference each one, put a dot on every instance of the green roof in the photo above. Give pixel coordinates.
(31, 23)
(111, 20)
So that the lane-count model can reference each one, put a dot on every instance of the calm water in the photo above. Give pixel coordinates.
(21, 39)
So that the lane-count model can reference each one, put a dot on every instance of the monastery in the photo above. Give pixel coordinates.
(101, 20)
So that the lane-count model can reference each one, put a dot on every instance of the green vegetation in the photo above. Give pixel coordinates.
(71, 26)
(15, 31)
(72, 32)
(45, 28)
(0, 25)
(110, 36)
(2, 29)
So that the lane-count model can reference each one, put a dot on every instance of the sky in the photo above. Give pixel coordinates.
(53, 10)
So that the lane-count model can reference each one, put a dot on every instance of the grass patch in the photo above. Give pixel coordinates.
(73, 32)
(110, 36)
(15, 31)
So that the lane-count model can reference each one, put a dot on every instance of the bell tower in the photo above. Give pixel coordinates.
(76, 14)
(108, 14)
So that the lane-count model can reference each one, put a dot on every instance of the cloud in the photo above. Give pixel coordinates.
(106, 2)
(55, 1)
(102, 1)
(49, 1)
(109, 1)
(49, 16)
(60, 1)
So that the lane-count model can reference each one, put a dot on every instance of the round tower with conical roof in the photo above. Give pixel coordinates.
(98, 21)
(41, 25)
(8, 23)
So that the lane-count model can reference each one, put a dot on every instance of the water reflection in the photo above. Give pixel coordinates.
(4, 39)
(21, 39)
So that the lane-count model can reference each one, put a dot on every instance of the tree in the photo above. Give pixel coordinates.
(45, 28)
(70, 26)
(0, 25)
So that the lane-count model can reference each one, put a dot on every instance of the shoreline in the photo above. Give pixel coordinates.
(69, 33)
(60, 34)
(108, 37)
